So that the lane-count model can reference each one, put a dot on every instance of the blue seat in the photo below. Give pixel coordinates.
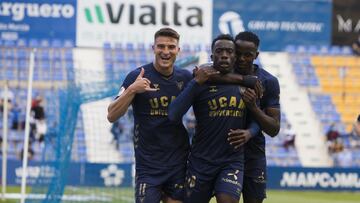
(290, 49)
(107, 46)
(42, 55)
(346, 50)
(324, 50)
(9, 64)
(335, 50)
(69, 65)
(21, 43)
(9, 43)
(143, 58)
(56, 43)
(120, 57)
(69, 43)
(108, 55)
(68, 55)
(131, 57)
(45, 65)
(313, 49)
(130, 46)
(10, 75)
(119, 47)
(44, 43)
(8, 54)
(56, 55)
(34, 43)
(22, 53)
(141, 47)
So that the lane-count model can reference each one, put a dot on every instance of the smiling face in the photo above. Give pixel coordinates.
(165, 50)
(246, 53)
(223, 55)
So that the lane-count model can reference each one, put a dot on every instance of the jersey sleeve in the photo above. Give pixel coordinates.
(272, 97)
(183, 101)
(129, 79)
(252, 125)
(187, 76)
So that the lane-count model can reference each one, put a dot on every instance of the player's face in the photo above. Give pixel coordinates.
(246, 53)
(165, 50)
(223, 55)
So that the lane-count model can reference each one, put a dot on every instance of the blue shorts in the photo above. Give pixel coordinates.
(205, 180)
(151, 188)
(254, 187)
(255, 178)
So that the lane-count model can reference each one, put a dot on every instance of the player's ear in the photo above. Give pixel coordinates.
(211, 57)
(257, 54)
(153, 47)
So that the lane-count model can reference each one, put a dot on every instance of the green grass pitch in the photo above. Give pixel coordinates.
(125, 195)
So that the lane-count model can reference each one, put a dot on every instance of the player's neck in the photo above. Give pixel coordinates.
(247, 71)
(164, 71)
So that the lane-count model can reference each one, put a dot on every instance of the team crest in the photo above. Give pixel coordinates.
(157, 86)
(242, 90)
(212, 89)
(180, 85)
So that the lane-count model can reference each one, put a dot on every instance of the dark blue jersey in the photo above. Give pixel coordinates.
(217, 108)
(158, 142)
(255, 147)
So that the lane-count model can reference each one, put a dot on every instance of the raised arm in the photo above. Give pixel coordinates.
(183, 102)
(185, 99)
(119, 106)
(249, 81)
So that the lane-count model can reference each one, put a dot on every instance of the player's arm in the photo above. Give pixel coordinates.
(232, 78)
(269, 119)
(119, 106)
(239, 137)
(185, 99)
(183, 102)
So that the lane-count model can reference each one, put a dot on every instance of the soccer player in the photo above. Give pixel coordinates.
(266, 112)
(161, 146)
(213, 164)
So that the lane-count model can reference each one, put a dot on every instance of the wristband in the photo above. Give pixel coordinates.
(249, 81)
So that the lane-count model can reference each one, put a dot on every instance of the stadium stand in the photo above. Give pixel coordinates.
(54, 62)
(331, 77)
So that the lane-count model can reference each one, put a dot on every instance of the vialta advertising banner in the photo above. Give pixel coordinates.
(136, 21)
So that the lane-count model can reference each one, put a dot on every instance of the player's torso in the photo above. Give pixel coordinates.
(155, 137)
(255, 148)
(218, 108)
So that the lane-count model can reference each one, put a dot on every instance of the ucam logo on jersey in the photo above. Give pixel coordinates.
(121, 21)
(37, 19)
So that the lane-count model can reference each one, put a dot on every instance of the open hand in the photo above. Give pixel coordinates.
(238, 137)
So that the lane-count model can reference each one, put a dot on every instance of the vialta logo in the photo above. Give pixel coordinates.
(99, 15)
(146, 14)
